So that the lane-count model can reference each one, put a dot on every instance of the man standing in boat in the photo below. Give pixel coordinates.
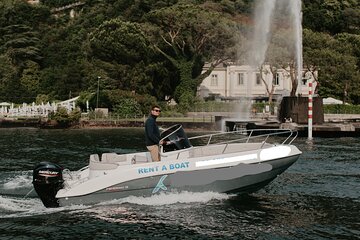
(152, 133)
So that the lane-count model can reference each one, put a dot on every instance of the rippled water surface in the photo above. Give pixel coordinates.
(317, 198)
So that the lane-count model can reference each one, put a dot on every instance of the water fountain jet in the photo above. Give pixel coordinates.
(264, 28)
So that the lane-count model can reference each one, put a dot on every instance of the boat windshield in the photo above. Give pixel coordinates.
(175, 138)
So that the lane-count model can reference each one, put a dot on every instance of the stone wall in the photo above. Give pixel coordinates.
(295, 109)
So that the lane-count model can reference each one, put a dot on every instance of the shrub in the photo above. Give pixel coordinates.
(64, 119)
(128, 107)
(341, 109)
(42, 98)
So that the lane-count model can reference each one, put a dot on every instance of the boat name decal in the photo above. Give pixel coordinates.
(165, 167)
(160, 185)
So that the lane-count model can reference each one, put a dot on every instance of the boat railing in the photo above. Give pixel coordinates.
(246, 136)
(253, 139)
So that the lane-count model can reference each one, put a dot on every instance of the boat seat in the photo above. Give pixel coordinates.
(206, 151)
(113, 158)
(196, 152)
(94, 158)
(242, 147)
(95, 164)
(141, 158)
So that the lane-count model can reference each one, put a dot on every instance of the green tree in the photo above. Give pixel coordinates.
(332, 16)
(54, 55)
(188, 35)
(65, 67)
(19, 12)
(20, 43)
(128, 107)
(334, 58)
(270, 88)
(19, 48)
(20, 27)
(30, 80)
(123, 53)
(7, 73)
(354, 41)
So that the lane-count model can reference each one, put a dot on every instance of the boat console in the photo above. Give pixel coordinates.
(174, 138)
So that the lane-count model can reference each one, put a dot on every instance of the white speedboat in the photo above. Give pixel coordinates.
(226, 162)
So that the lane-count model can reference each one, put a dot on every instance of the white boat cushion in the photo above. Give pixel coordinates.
(113, 158)
(95, 164)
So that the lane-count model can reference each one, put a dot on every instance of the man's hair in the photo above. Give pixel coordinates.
(154, 106)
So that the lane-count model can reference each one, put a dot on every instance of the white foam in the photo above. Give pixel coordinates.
(10, 204)
(24, 180)
(22, 207)
(172, 198)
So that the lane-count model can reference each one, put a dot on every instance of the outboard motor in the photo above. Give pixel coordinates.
(47, 180)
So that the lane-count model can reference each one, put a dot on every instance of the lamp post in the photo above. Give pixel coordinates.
(97, 93)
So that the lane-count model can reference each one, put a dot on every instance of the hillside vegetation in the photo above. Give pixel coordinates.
(138, 52)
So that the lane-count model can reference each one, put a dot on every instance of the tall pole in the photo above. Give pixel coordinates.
(97, 93)
(310, 111)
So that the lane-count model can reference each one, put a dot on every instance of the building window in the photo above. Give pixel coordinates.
(277, 79)
(214, 79)
(258, 79)
(241, 78)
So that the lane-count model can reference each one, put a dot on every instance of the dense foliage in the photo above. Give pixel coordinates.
(141, 52)
(342, 109)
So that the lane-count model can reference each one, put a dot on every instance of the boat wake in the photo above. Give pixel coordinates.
(12, 207)
(171, 198)
(11, 204)
(17, 198)
(17, 184)
(160, 208)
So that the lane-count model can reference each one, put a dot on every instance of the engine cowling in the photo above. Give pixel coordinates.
(47, 181)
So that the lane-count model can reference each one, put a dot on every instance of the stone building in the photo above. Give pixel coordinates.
(230, 81)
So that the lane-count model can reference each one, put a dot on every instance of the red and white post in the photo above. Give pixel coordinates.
(310, 111)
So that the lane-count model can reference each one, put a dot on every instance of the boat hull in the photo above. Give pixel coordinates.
(242, 178)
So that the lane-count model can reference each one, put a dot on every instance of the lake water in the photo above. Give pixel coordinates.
(317, 198)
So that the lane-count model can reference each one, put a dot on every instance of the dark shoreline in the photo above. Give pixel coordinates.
(97, 124)
(206, 126)
(323, 130)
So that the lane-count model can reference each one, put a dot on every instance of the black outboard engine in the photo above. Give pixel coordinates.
(47, 181)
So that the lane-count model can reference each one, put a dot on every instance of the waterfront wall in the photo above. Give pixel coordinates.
(208, 126)
(296, 109)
